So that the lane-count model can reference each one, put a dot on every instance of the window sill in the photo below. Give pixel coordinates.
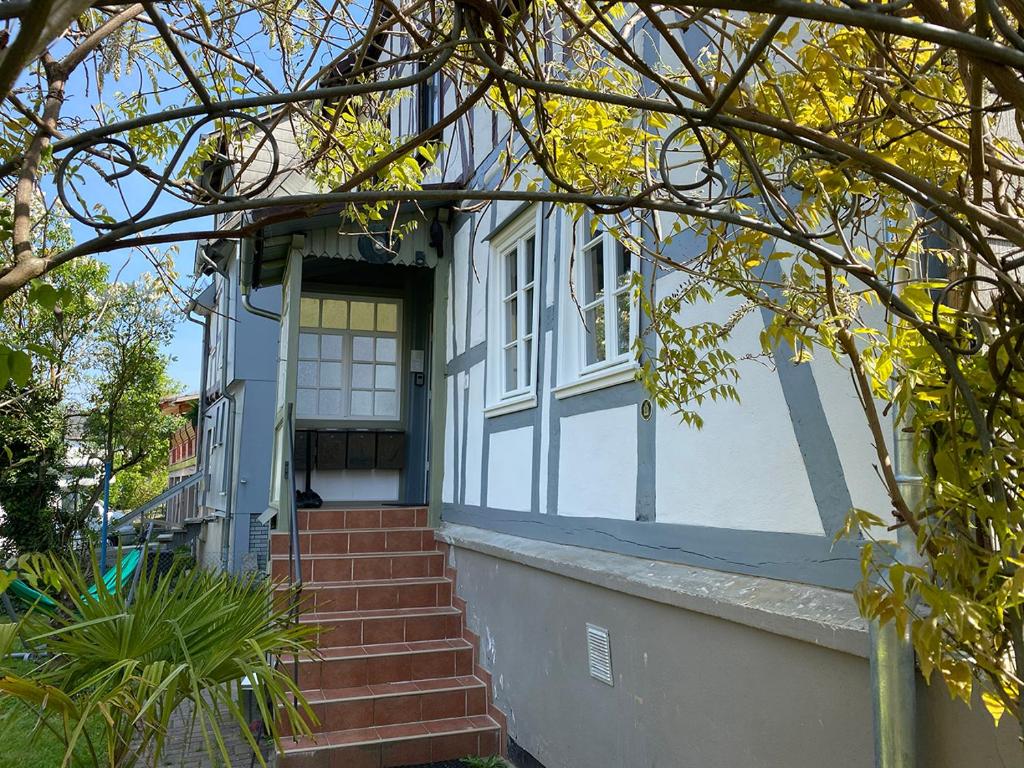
(609, 377)
(511, 405)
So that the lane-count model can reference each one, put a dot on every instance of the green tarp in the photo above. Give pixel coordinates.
(125, 568)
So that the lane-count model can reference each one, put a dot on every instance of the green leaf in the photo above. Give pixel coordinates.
(995, 706)
(43, 294)
(20, 367)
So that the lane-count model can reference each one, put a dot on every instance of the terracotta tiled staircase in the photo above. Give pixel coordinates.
(397, 683)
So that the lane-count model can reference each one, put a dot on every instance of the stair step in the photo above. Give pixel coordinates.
(362, 567)
(345, 541)
(390, 746)
(394, 625)
(402, 702)
(431, 592)
(355, 666)
(367, 517)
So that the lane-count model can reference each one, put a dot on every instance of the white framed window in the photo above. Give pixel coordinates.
(349, 363)
(604, 271)
(598, 313)
(513, 316)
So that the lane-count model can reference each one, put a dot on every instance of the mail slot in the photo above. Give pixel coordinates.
(391, 450)
(332, 450)
(362, 450)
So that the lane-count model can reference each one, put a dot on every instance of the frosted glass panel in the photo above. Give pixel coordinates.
(307, 345)
(306, 374)
(330, 402)
(309, 312)
(330, 374)
(387, 318)
(362, 315)
(330, 347)
(362, 348)
(385, 404)
(362, 376)
(385, 377)
(362, 403)
(305, 402)
(386, 350)
(335, 313)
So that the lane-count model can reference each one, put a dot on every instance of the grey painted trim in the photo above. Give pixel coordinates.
(646, 430)
(527, 417)
(553, 415)
(463, 361)
(438, 383)
(808, 613)
(789, 556)
(813, 433)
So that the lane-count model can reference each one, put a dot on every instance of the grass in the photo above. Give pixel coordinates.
(19, 747)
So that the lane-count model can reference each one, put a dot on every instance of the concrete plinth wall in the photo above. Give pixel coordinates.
(783, 682)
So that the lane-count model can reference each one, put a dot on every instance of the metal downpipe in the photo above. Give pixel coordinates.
(892, 660)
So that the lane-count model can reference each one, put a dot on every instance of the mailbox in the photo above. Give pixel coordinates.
(391, 450)
(362, 450)
(332, 450)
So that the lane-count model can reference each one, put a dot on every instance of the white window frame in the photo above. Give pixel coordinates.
(575, 374)
(347, 359)
(524, 395)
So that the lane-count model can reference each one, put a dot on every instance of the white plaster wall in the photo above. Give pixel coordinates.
(545, 431)
(474, 435)
(852, 436)
(743, 469)
(354, 484)
(477, 266)
(510, 469)
(597, 464)
(457, 295)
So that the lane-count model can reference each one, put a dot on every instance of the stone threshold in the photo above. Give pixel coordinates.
(811, 614)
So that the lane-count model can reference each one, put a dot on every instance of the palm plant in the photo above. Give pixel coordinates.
(132, 657)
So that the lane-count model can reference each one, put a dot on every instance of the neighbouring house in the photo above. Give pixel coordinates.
(234, 414)
(628, 591)
(181, 458)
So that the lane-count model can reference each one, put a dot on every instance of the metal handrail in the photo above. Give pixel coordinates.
(160, 498)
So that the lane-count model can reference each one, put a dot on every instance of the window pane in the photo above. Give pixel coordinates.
(362, 376)
(309, 313)
(306, 375)
(594, 338)
(330, 347)
(330, 374)
(528, 361)
(362, 316)
(512, 368)
(308, 345)
(593, 273)
(511, 320)
(622, 266)
(362, 403)
(335, 313)
(305, 402)
(531, 247)
(362, 348)
(528, 309)
(384, 377)
(387, 318)
(511, 271)
(387, 350)
(622, 306)
(330, 402)
(385, 404)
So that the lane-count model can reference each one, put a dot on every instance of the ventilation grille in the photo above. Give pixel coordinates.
(599, 654)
